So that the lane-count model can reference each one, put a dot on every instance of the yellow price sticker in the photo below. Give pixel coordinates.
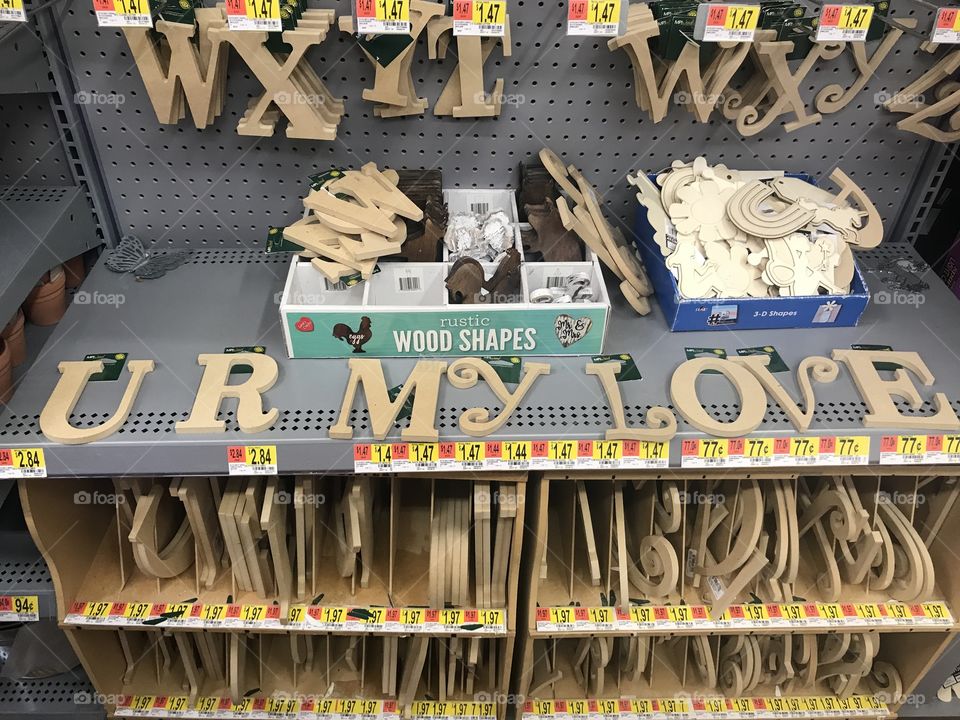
(867, 611)
(178, 703)
(381, 454)
(130, 7)
(935, 610)
(607, 450)
(423, 452)
(641, 614)
(855, 446)
(207, 704)
(898, 611)
(911, 444)
(491, 617)
(28, 458)
(516, 450)
(608, 707)
(562, 450)
(213, 613)
(542, 707)
(297, 614)
(740, 705)
(830, 611)
(282, 706)
(253, 613)
(20, 604)
(577, 707)
(393, 10)
(758, 448)
(601, 615)
(712, 449)
(642, 707)
(562, 615)
(142, 703)
(451, 617)
(793, 611)
(674, 706)
(262, 455)
(803, 447)
(11, 5)
(412, 616)
(855, 17)
(489, 12)
(755, 611)
(243, 706)
(375, 616)
(680, 613)
(97, 609)
(603, 12)
(333, 615)
(137, 611)
(714, 705)
(951, 443)
(470, 452)
(648, 450)
(741, 17)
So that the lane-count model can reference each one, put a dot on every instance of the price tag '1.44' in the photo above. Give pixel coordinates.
(946, 29)
(12, 10)
(844, 23)
(383, 17)
(123, 13)
(486, 18)
(718, 22)
(252, 459)
(263, 15)
(593, 17)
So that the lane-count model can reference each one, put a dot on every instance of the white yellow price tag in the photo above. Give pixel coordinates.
(383, 17)
(252, 459)
(262, 15)
(22, 463)
(946, 28)
(123, 13)
(12, 11)
(722, 22)
(593, 17)
(844, 23)
(485, 18)
(19, 608)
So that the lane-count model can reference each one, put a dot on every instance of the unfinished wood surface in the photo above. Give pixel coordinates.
(465, 373)
(751, 397)
(216, 386)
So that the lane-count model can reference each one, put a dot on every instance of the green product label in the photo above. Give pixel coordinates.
(696, 352)
(451, 333)
(776, 363)
(881, 366)
(112, 365)
(628, 368)
(508, 367)
(243, 369)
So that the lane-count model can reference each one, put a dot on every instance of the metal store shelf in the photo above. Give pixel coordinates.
(225, 298)
(61, 696)
(24, 572)
(21, 53)
(39, 227)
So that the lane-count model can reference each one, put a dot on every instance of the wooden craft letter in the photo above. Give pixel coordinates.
(215, 387)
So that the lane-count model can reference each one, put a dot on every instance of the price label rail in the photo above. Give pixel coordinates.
(815, 616)
(346, 619)
(705, 708)
(223, 708)
(19, 608)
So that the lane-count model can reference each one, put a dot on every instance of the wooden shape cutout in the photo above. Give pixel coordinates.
(362, 212)
(558, 171)
(870, 235)
(151, 527)
(55, 416)
(197, 499)
(425, 378)
(745, 212)
(661, 424)
(593, 559)
(464, 373)
(226, 514)
(215, 387)
(822, 369)
(752, 398)
(273, 520)
(878, 393)
(370, 187)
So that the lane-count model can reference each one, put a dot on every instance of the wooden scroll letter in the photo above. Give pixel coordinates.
(215, 387)
(185, 68)
(753, 400)
(823, 370)
(425, 378)
(55, 416)
(661, 424)
(465, 372)
(878, 393)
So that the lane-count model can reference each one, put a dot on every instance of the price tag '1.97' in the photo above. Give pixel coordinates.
(22, 463)
(726, 23)
(123, 13)
(383, 17)
(844, 23)
(947, 27)
(486, 18)
(263, 15)
(12, 10)
(593, 17)
(252, 459)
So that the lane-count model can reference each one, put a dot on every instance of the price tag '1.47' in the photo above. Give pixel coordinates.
(844, 23)
(383, 17)
(12, 10)
(593, 17)
(486, 18)
(718, 22)
(946, 29)
(123, 13)
(263, 15)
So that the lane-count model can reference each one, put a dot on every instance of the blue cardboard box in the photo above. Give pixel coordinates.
(690, 314)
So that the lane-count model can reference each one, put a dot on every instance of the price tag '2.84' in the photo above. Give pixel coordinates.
(383, 17)
(123, 13)
(946, 29)
(252, 459)
(718, 22)
(12, 11)
(263, 15)
(844, 23)
(593, 17)
(22, 463)
(486, 18)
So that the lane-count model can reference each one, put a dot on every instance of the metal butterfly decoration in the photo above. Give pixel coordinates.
(131, 256)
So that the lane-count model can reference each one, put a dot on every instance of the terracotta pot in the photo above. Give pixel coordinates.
(6, 373)
(76, 270)
(16, 340)
(47, 302)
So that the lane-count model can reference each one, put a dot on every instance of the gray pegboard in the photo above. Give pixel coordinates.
(184, 187)
(31, 152)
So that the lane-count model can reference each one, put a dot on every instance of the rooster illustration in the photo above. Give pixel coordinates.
(357, 339)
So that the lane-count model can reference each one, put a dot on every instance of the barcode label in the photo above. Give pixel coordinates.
(335, 286)
(480, 208)
(556, 281)
(409, 284)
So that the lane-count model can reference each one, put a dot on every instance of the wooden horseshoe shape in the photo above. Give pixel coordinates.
(744, 211)
(152, 526)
